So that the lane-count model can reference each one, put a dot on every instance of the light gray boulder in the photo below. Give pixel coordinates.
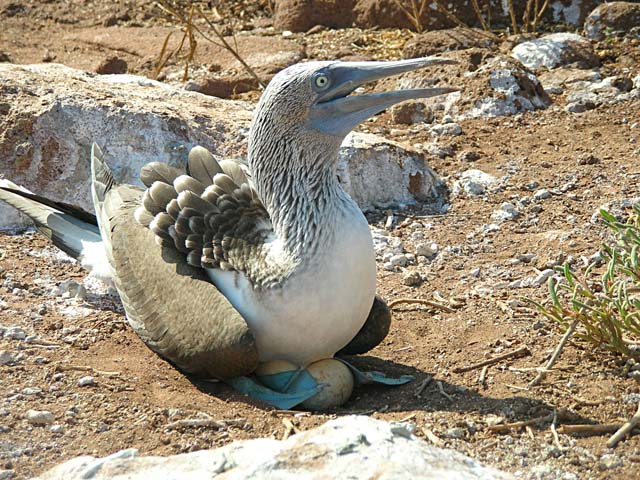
(555, 50)
(354, 447)
(51, 114)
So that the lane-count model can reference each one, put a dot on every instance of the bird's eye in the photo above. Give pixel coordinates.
(321, 81)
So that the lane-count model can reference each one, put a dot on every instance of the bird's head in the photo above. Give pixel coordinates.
(315, 97)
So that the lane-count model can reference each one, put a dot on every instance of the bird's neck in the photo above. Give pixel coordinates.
(296, 180)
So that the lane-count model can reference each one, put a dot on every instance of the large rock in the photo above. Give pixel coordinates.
(52, 114)
(555, 50)
(373, 168)
(301, 15)
(353, 447)
(613, 18)
(438, 41)
(495, 85)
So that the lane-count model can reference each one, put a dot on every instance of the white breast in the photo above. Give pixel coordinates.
(320, 308)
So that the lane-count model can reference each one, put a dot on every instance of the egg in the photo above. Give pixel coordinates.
(339, 384)
(266, 371)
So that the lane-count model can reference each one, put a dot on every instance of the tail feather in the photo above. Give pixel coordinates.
(67, 226)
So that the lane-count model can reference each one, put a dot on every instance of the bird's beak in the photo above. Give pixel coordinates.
(337, 114)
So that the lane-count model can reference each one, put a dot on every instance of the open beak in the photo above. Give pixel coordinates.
(335, 113)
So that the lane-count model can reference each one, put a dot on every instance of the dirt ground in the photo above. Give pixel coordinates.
(136, 394)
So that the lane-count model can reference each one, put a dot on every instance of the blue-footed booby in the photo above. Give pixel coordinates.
(221, 267)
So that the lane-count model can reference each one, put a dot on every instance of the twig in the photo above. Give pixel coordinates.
(521, 352)
(590, 429)
(289, 428)
(509, 426)
(482, 379)
(554, 357)
(554, 432)
(62, 368)
(512, 14)
(626, 428)
(423, 385)
(432, 437)
(476, 9)
(400, 301)
(408, 417)
(203, 422)
(442, 392)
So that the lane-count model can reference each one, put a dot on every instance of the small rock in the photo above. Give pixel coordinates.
(14, 333)
(555, 50)
(411, 278)
(542, 194)
(446, 129)
(456, 433)
(6, 357)
(112, 65)
(507, 212)
(57, 428)
(70, 289)
(581, 101)
(428, 250)
(4, 57)
(399, 260)
(588, 159)
(468, 156)
(609, 461)
(6, 474)
(412, 112)
(473, 182)
(39, 417)
(87, 381)
(31, 391)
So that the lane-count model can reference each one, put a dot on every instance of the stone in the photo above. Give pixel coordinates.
(614, 18)
(379, 173)
(14, 333)
(542, 194)
(428, 250)
(581, 101)
(87, 381)
(48, 135)
(446, 130)
(112, 65)
(355, 447)
(543, 276)
(437, 41)
(411, 112)
(399, 260)
(39, 417)
(474, 183)
(70, 289)
(4, 57)
(223, 86)
(554, 50)
(6, 357)
(6, 474)
(506, 212)
(411, 278)
(302, 15)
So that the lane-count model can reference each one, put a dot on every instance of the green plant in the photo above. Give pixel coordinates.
(604, 306)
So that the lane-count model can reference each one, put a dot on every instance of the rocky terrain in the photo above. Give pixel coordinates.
(543, 132)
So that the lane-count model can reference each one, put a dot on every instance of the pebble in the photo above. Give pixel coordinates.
(70, 289)
(398, 260)
(39, 417)
(6, 474)
(411, 278)
(505, 213)
(456, 432)
(87, 381)
(57, 428)
(543, 276)
(6, 357)
(14, 333)
(448, 129)
(542, 194)
(31, 391)
(609, 461)
(428, 250)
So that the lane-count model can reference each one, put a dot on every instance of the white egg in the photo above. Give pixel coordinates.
(339, 384)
